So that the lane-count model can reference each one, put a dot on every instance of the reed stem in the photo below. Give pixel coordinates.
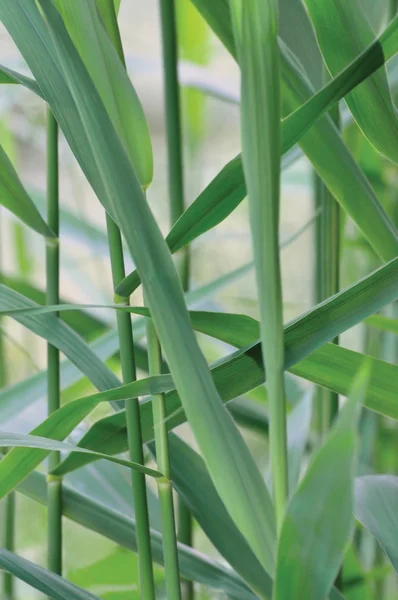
(127, 359)
(173, 123)
(165, 488)
(327, 280)
(53, 374)
(176, 197)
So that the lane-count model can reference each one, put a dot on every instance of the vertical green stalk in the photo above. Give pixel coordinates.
(329, 283)
(126, 345)
(176, 195)
(256, 28)
(317, 187)
(164, 485)
(173, 122)
(53, 377)
(127, 359)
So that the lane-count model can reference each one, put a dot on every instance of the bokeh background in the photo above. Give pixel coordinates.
(211, 138)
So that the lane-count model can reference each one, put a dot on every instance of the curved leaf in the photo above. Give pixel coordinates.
(121, 529)
(45, 581)
(342, 29)
(62, 337)
(10, 76)
(318, 523)
(86, 125)
(112, 82)
(21, 440)
(15, 198)
(19, 462)
(330, 366)
(376, 498)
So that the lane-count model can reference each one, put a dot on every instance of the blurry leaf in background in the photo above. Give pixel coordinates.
(342, 29)
(114, 577)
(376, 500)
(318, 524)
(194, 46)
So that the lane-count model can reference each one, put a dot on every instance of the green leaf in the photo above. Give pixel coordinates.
(342, 30)
(87, 127)
(15, 198)
(296, 31)
(376, 498)
(19, 462)
(112, 82)
(120, 528)
(192, 482)
(298, 430)
(45, 581)
(83, 322)
(16, 397)
(21, 440)
(330, 366)
(383, 323)
(322, 144)
(13, 77)
(318, 522)
(61, 336)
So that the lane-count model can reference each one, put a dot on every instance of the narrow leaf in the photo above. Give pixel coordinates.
(42, 580)
(376, 498)
(342, 29)
(15, 198)
(318, 523)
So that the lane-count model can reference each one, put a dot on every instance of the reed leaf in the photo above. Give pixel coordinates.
(42, 580)
(115, 182)
(345, 28)
(14, 197)
(321, 509)
(375, 501)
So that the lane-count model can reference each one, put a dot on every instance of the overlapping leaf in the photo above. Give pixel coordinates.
(328, 366)
(319, 521)
(87, 127)
(15, 198)
(342, 30)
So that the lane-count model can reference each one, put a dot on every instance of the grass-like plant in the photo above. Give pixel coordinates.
(303, 526)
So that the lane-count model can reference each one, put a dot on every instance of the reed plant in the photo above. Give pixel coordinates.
(310, 516)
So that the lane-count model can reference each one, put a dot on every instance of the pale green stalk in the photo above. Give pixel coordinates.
(165, 488)
(127, 359)
(256, 27)
(53, 377)
(175, 194)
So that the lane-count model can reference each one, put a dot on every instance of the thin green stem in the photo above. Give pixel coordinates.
(164, 485)
(126, 344)
(327, 279)
(173, 123)
(127, 359)
(53, 374)
(176, 196)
